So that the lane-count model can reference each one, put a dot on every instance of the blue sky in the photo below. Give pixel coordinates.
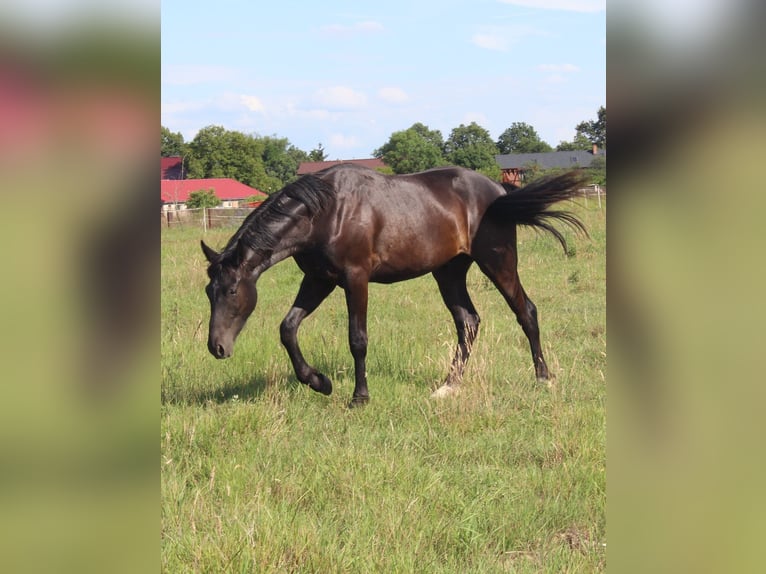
(348, 73)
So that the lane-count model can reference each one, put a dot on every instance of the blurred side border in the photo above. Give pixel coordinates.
(80, 109)
(685, 286)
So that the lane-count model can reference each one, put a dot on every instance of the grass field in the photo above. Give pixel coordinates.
(261, 474)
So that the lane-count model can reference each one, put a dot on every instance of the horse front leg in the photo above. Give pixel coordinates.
(310, 295)
(356, 302)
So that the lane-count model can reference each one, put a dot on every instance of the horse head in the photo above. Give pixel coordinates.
(232, 296)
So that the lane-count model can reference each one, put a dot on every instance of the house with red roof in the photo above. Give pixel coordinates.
(175, 191)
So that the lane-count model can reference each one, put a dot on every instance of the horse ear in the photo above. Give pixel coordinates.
(210, 254)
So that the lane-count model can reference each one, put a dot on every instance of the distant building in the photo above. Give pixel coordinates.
(513, 165)
(175, 190)
(232, 193)
(314, 166)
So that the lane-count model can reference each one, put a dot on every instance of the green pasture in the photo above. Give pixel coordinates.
(261, 474)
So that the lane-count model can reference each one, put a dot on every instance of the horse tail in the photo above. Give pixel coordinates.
(529, 205)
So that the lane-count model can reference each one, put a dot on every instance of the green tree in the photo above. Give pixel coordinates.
(280, 161)
(594, 131)
(297, 157)
(597, 170)
(521, 138)
(172, 143)
(216, 152)
(433, 137)
(202, 198)
(253, 199)
(415, 149)
(471, 146)
(533, 171)
(267, 163)
(317, 154)
(580, 142)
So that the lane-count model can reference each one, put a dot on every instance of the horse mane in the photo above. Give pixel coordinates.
(259, 229)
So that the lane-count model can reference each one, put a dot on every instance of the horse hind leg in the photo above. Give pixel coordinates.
(357, 285)
(531, 329)
(452, 285)
(504, 275)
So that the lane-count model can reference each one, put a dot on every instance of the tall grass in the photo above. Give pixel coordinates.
(260, 474)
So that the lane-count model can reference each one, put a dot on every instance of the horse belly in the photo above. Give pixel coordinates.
(408, 256)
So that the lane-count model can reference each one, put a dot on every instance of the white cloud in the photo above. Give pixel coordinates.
(343, 141)
(491, 41)
(477, 117)
(191, 75)
(180, 107)
(226, 102)
(567, 5)
(294, 107)
(558, 73)
(500, 38)
(555, 79)
(364, 27)
(393, 95)
(252, 103)
(559, 68)
(341, 97)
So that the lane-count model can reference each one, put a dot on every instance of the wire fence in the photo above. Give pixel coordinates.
(595, 190)
(206, 217)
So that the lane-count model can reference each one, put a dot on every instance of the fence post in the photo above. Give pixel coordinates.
(204, 219)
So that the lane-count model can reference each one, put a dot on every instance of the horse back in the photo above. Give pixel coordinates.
(402, 226)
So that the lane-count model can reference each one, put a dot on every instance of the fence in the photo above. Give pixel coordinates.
(206, 217)
(595, 189)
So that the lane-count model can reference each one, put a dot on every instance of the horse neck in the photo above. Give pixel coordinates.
(293, 236)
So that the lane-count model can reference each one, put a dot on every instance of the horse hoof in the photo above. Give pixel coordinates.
(358, 402)
(445, 391)
(545, 381)
(321, 384)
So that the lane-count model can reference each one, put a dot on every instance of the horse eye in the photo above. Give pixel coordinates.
(233, 291)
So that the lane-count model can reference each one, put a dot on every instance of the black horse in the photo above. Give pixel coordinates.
(347, 225)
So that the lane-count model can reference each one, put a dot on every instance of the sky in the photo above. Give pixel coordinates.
(347, 74)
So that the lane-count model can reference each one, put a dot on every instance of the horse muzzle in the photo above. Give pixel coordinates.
(219, 350)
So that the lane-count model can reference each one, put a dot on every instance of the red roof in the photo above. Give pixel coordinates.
(178, 190)
(314, 166)
(171, 167)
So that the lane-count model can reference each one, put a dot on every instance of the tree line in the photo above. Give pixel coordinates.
(269, 163)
